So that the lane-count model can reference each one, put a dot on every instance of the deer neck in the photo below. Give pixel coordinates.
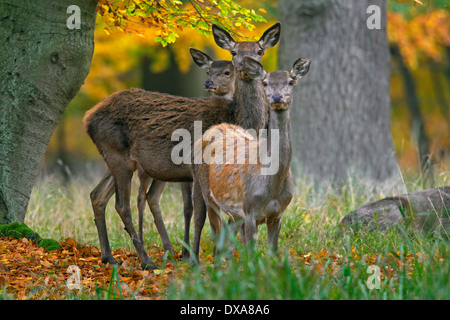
(279, 140)
(252, 106)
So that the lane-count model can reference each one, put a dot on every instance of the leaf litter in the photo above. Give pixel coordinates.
(28, 271)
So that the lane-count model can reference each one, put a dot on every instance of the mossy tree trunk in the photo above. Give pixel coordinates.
(43, 64)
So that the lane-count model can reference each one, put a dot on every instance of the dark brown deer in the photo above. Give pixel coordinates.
(243, 190)
(132, 130)
(220, 83)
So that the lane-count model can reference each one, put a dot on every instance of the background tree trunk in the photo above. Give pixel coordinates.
(173, 81)
(417, 126)
(43, 65)
(341, 110)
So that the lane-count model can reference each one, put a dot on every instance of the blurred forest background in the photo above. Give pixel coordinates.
(419, 37)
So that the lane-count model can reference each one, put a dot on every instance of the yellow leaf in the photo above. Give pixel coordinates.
(322, 253)
(262, 10)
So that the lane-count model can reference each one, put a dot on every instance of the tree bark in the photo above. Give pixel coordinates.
(43, 64)
(341, 109)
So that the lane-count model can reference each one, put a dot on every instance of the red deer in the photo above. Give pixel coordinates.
(132, 130)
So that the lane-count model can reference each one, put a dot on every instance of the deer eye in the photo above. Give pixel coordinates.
(260, 52)
(227, 73)
(265, 84)
(233, 53)
(291, 83)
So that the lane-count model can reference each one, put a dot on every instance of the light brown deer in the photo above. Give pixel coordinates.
(244, 191)
(132, 129)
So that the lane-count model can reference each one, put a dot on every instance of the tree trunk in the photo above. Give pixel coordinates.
(417, 125)
(173, 81)
(43, 64)
(341, 109)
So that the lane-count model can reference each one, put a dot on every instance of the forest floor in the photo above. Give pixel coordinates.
(317, 259)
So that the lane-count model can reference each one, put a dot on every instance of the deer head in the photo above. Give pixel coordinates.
(277, 85)
(220, 74)
(241, 49)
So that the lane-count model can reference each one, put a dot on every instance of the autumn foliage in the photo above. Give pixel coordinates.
(28, 271)
(420, 35)
(169, 17)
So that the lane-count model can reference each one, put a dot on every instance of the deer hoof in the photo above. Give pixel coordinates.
(149, 266)
(185, 255)
(194, 261)
(109, 260)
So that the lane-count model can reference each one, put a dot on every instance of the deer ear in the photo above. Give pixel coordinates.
(201, 58)
(271, 36)
(254, 69)
(300, 68)
(222, 38)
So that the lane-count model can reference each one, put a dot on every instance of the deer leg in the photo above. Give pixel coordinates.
(123, 176)
(142, 196)
(199, 220)
(99, 199)
(273, 231)
(186, 191)
(153, 199)
(242, 232)
(216, 224)
(236, 227)
(250, 230)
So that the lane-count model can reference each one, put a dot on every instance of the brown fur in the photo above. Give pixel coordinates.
(129, 122)
(225, 181)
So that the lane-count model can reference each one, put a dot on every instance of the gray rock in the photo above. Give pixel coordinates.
(427, 210)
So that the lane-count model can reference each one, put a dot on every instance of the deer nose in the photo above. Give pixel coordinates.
(208, 84)
(276, 97)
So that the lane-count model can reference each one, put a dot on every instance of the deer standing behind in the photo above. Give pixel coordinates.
(132, 130)
(242, 190)
(220, 83)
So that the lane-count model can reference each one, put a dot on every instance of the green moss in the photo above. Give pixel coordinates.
(49, 244)
(21, 230)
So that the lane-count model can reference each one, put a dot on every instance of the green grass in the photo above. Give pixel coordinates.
(310, 225)
(260, 276)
